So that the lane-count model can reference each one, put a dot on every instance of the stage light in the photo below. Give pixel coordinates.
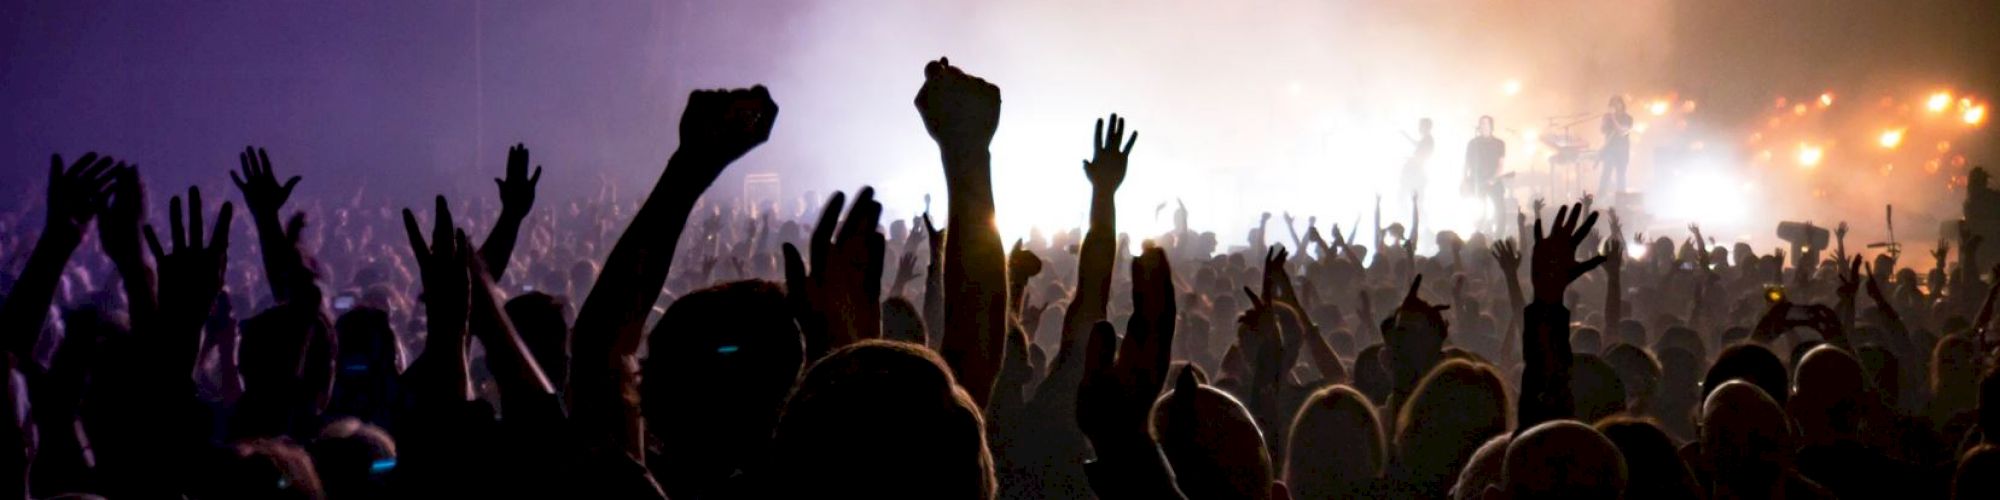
(1687, 106)
(1658, 108)
(1939, 101)
(1799, 109)
(1974, 115)
(1944, 146)
(1810, 155)
(1511, 87)
(1825, 99)
(1639, 128)
(1891, 138)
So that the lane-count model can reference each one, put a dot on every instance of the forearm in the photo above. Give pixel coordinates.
(975, 273)
(27, 304)
(499, 245)
(1137, 470)
(608, 326)
(141, 297)
(1545, 348)
(1614, 303)
(1095, 264)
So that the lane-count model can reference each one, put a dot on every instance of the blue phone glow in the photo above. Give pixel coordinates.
(728, 349)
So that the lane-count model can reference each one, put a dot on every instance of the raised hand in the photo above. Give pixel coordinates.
(1277, 286)
(719, 126)
(440, 263)
(190, 275)
(1850, 279)
(517, 191)
(1508, 255)
(1106, 166)
(1614, 255)
(262, 193)
(1555, 264)
(124, 214)
(78, 194)
(839, 302)
(1022, 265)
(960, 111)
(906, 271)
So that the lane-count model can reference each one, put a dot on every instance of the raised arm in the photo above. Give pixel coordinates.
(961, 113)
(76, 195)
(1508, 256)
(1545, 392)
(1106, 172)
(118, 231)
(1115, 402)
(284, 265)
(517, 198)
(1614, 265)
(716, 128)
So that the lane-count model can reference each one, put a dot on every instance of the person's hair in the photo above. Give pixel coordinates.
(1563, 459)
(719, 367)
(1655, 468)
(542, 321)
(1586, 341)
(879, 419)
(1212, 442)
(1827, 395)
(1954, 365)
(1751, 363)
(265, 468)
(1745, 435)
(1456, 407)
(352, 458)
(1336, 448)
(1978, 474)
(1598, 390)
(1638, 369)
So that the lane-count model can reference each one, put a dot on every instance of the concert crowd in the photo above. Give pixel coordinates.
(671, 345)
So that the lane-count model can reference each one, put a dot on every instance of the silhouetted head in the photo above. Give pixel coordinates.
(1978, 474)
(1639, 371)
(1653, 466)
(1424, 125)
(1562, 459)
(1371, 376)
(1826, 400)
(1745, 437)
(1989, 405)
(275, 345)
(879, 419)
(264, 469)
(721, 363)
(1457, 407)
(1212, 442)
(1618, 103)
(353, 458)
(542, 321)
(368, 344)
(1483, 473)
(1485, 127)
(1586, 340)
(1751, 363)
(902, 322)
(1598, 391)
(1336, 448)
(1954, 367)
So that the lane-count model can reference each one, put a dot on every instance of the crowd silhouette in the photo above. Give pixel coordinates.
(796, 354)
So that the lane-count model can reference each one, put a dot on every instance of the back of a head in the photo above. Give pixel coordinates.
(1563, 459)
(264, 469)
(1828, 391)
(1586, 340)
(1637, 369)
(1212, 442)
(1653, 465)
(1598, 390)
(1750, 363)
(879, 419)
(1483, 471)
(1745, 435)
(1978, 474)
(902, 322)
(543, 320)
(1954, 364)
(1336, 448)
(353, 458)
(1684, 338)
(721, 363)
(1456, 408)
(1989, 405)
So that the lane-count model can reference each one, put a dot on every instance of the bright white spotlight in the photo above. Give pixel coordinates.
(1890, 138)
(1810, 155)
(1658, 108)
(1511, 87)
(1974, 115)
(1939, 101)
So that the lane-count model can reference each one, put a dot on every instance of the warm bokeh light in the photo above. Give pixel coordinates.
(1974, 115)
(1799, 109)
(1810, 155)
(1512, 87)
(1825, 99)
(1939, 101)
(1687, 106)
(1658, 108)
(1890, 138)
